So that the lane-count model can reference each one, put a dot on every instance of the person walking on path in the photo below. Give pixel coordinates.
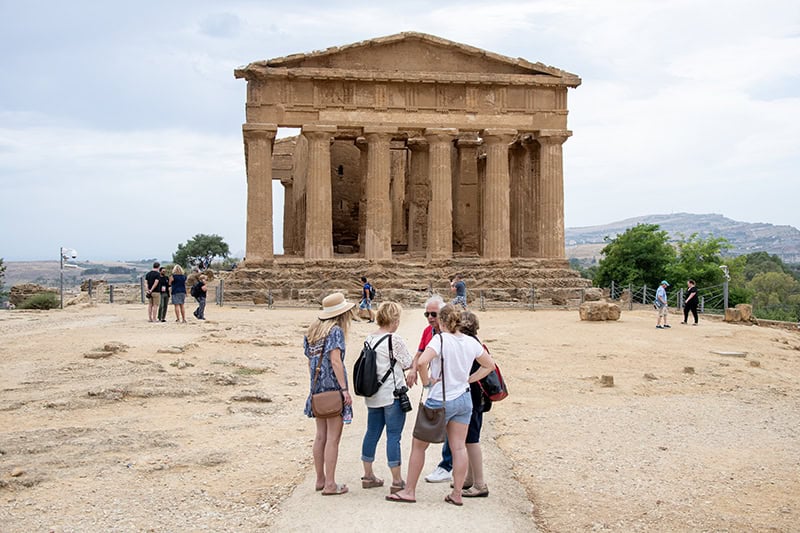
(433, 305)
(661, 305)
(458, 286)
(324, 346)
(385, 408)
(690, 303)
(366, 299)
(163, 288)
(200, 312)
(152, 279)
(178, 287)
(459, 351)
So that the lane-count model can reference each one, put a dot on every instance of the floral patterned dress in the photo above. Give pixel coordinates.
(327, 379)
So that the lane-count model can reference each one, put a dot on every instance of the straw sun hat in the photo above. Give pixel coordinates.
(334, 305)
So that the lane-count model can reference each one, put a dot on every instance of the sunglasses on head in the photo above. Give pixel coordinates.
(427, 314)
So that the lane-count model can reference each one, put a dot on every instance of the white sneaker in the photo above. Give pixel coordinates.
(439, 475)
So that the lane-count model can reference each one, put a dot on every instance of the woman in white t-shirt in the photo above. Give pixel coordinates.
(459, 351)
(384, 407)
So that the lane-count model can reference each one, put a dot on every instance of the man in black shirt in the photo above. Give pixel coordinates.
(152, 292)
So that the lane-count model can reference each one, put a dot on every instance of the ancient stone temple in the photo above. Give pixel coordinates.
(413, 150)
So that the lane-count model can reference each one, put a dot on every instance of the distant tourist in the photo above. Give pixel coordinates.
(661, 305)
(366, 298)
(458, 286)
(200, 291)
(178, 287)
(152, 280)
(690, 303)
(163, 289)
(324, 346)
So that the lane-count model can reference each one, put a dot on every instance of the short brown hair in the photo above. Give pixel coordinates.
(388, 313)
(469, 323)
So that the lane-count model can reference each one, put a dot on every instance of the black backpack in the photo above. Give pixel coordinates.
(371, 292)
(365, 370)
(197, 290)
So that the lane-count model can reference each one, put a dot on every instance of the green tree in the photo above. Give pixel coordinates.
(773, 288)
(639, 256)
(200, 251)
(699, 259)
(760, 262)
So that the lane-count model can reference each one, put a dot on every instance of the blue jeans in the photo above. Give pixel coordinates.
(394, 419)
(201, 309)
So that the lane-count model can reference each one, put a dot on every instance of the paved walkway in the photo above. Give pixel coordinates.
(506, 509)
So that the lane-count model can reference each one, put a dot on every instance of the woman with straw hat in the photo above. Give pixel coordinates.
(325, 339)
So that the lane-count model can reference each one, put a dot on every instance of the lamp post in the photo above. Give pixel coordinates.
(64, 254)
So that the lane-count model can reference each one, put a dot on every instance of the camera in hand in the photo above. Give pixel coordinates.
(400, 394)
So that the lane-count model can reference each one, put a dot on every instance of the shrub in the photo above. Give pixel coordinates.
(43, 300)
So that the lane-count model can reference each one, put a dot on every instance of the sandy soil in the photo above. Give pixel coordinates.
(200, 426)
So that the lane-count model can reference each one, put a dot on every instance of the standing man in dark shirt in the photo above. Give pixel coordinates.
(163, 289)
(690, 304)
(152, 279)
(458, 286)
(366, 300)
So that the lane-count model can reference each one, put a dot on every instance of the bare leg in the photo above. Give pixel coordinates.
(319, 451)
(456, 436)
(397, 475)
(334, 434)
(415, 465)
(476, 465)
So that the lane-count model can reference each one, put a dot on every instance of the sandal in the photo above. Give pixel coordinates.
(475, 492)
(397, 487)
(340, 489)
(371, 482)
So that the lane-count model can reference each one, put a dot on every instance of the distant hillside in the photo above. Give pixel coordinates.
(745, 237)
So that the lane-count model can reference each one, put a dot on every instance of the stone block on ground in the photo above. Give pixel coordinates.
(599, 311)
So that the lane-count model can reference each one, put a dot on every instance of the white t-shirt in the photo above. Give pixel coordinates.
(459, 352)
(385, 395)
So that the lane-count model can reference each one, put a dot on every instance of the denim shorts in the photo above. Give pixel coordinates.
(179, 298)
(458, 410)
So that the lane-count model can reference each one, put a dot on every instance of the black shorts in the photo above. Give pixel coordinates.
(475, 424)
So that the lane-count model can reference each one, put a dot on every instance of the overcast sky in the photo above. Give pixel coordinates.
(120, 123)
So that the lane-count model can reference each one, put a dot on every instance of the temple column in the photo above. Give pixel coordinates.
(378, 236)
(361, 144)
(519, 174)
(319, 224)
(288, 216)
(258, 139)
(418, 195)
(467, 217)
(551, 192)
(440, 208)
(496, 229)
(397, 192)
(531, 220)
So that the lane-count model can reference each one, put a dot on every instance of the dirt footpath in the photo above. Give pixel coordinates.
(108, 422)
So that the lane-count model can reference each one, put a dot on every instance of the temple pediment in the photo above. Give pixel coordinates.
(409, 54)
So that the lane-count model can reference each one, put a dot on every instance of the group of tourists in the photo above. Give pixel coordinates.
(159, 288)
(449, 362)
(689, 304)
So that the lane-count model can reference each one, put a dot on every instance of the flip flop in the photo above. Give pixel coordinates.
(448, 499)
(399, 499)
(340, 489)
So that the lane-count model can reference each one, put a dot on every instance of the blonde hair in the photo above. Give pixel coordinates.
(319, 329)
(177, 270)
(450, 318)
(388, 313)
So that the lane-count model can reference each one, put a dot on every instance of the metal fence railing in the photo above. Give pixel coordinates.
(712, 300)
